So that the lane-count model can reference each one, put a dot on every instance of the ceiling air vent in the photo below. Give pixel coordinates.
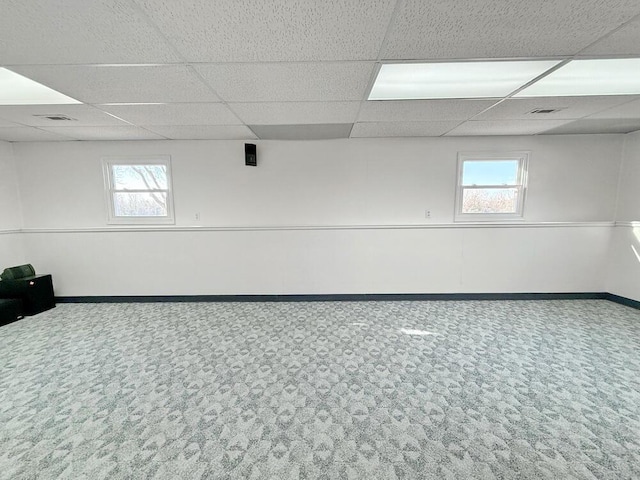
(545, 111)
(56, 117)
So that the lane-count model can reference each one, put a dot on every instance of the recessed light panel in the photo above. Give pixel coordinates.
(412, 81)
(18, 90)
(611, 76)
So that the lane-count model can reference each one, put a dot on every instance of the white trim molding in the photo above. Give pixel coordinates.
(257, 228)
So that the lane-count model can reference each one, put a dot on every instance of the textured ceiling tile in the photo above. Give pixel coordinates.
(288, 113)
(29, 134)
(401, 129)
(302, 132)
(628, 110)
(174, 114)
(624, 41)
(281, 82)
(505, 127)
(105, 133)
(276, 30)
(78, 31)
(595, 126)
(568, 107)
(115, 84)
(502, 28)
(33, 115)
(204, 132)
(421, 110)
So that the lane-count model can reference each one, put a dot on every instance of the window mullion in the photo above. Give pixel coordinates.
(139, 191)
(489, 186)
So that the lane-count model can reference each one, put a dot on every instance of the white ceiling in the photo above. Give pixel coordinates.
(247, 69)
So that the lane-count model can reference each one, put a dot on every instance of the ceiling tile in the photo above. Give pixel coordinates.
(29, 134)
(624, 41)
(421, 110)
(83, 115)
(288, 113)
(595, 126)
(505, 127)
(302, 132)
(630, 109)
(78, 31)
(569, 107)
(401, 129)
(501, 28)
(120, 84)
(105, 133)
(281, 82)
(277, 30)
(174, 114)
(204, 132)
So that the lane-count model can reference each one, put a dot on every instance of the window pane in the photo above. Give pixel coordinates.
(140, 204)
(139, 177)
(490, 172)
(489, 200)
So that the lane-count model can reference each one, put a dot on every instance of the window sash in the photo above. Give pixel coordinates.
(492, 160)
(517, 200)
(493, 187)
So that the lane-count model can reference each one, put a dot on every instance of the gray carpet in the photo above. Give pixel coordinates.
(347, 390)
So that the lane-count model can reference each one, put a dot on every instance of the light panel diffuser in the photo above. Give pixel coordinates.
(18, 90)
(611, 76)
(413, 81)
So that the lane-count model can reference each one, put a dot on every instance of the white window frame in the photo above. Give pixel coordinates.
(520, 186)
(112, 218)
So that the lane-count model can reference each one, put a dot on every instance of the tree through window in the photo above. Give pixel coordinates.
(139, 191)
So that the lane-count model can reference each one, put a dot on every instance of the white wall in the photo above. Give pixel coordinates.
(384, 184)
(342, 182)
(11, 246)
(560, 259)
(624, 257)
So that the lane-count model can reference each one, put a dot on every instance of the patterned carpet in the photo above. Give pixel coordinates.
(344, 390)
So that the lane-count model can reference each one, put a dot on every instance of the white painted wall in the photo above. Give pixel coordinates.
(624, 257)
(346, 183)
(439, 260)
(341, 182)
(10, 210)
(11, 247)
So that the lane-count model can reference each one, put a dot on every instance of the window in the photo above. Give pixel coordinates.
(491, 186)
(139, 190)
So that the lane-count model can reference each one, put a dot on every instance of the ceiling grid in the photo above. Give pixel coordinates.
(302, 69)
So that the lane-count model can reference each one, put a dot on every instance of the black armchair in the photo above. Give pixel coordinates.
(24, 293)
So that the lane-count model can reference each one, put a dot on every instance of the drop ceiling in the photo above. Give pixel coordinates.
(298, 69)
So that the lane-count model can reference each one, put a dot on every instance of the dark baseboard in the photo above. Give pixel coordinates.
(622, 300)
(357, 297)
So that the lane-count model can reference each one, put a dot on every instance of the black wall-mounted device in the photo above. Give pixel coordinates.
(250, 155)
